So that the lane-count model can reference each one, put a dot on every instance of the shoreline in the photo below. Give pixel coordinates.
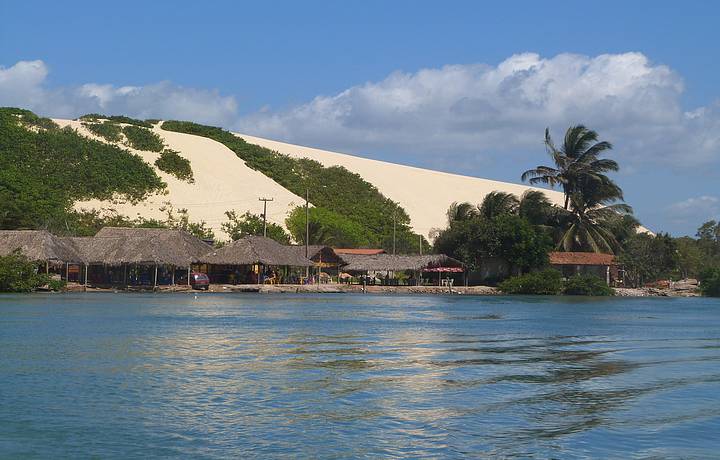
(358, 289)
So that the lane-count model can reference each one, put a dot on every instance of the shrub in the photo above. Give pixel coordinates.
(587, 285)
(116, 119)
(238, 226)
(107, 130)
(57, 285)
(43, 171)
(710, 282)
(172, 163)
(19, 274)
(546, 282)
(143, 139)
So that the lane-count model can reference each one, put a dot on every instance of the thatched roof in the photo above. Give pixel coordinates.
(116, 246)
(256, 249)
(389, 262)
(38, 245)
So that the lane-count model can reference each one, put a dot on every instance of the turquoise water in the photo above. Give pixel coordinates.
(338, 376)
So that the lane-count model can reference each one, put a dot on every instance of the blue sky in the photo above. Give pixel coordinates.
(423, 83)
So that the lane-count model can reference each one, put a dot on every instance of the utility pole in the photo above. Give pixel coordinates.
(265, 200)
(307, 230)
(394, 222)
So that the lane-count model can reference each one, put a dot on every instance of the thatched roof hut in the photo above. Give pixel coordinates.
(143, 246)
(252, 250)
(38, 245)
(395, 263)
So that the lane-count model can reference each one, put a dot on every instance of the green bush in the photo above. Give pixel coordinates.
(19, 274)
(710, 282)
(57, 285)
(117, 119)
(172, 163)
(326, 228)
(238, 226)
(107, 130)
(334, 188)
(546, 282)
(29, 119)
(587, 285)
(143, 139)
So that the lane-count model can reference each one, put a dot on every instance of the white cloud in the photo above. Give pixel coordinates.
(697, 209)
(490, 109)
(472, 114)
(23, 85)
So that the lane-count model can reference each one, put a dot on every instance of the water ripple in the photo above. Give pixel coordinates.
(331, 376)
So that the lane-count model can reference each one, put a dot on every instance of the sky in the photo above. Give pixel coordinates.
(464, 87)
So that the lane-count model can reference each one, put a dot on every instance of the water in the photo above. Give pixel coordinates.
(337, 376)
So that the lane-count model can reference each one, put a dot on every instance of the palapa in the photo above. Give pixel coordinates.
(396, 263)
(38, 245)
(252, 250)
(141, 246)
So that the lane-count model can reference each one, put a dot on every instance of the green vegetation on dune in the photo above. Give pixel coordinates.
(44, 171)
(143, 139)
(116, 119)
(334, 188)
(172, 163)
(107, 130)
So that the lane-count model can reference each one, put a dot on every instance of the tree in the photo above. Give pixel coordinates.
(238, 226)
(497, 204)
(19, 274)
(508, 237)
(588, 227)
(577, 164)
(535, 206)
(460, 212)
(649, 258)
(590, 196)
(710, 282)
(327, 228)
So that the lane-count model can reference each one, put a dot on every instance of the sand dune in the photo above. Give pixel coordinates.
(425, 194)
(223, 182)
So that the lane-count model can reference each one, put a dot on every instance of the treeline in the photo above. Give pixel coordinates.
(342, 199)
(44, 170)
(522, 230)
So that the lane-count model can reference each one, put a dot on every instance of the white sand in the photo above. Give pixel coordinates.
(222, 182)
(425, 194)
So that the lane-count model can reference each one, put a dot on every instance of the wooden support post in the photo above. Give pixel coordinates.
(155, 281)
(67, 271)
(173, 275)
(125, 280)
(188, 281)
(86, 276)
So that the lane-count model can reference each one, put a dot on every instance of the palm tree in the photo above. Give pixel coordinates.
(577, 164)
(458, 212)
(498, 203)
(535, 206)
(590, 227)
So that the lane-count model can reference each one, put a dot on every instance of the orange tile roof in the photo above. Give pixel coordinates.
(364, 252)
(581, 258)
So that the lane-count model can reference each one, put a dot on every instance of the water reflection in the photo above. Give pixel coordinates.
(334, 376)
